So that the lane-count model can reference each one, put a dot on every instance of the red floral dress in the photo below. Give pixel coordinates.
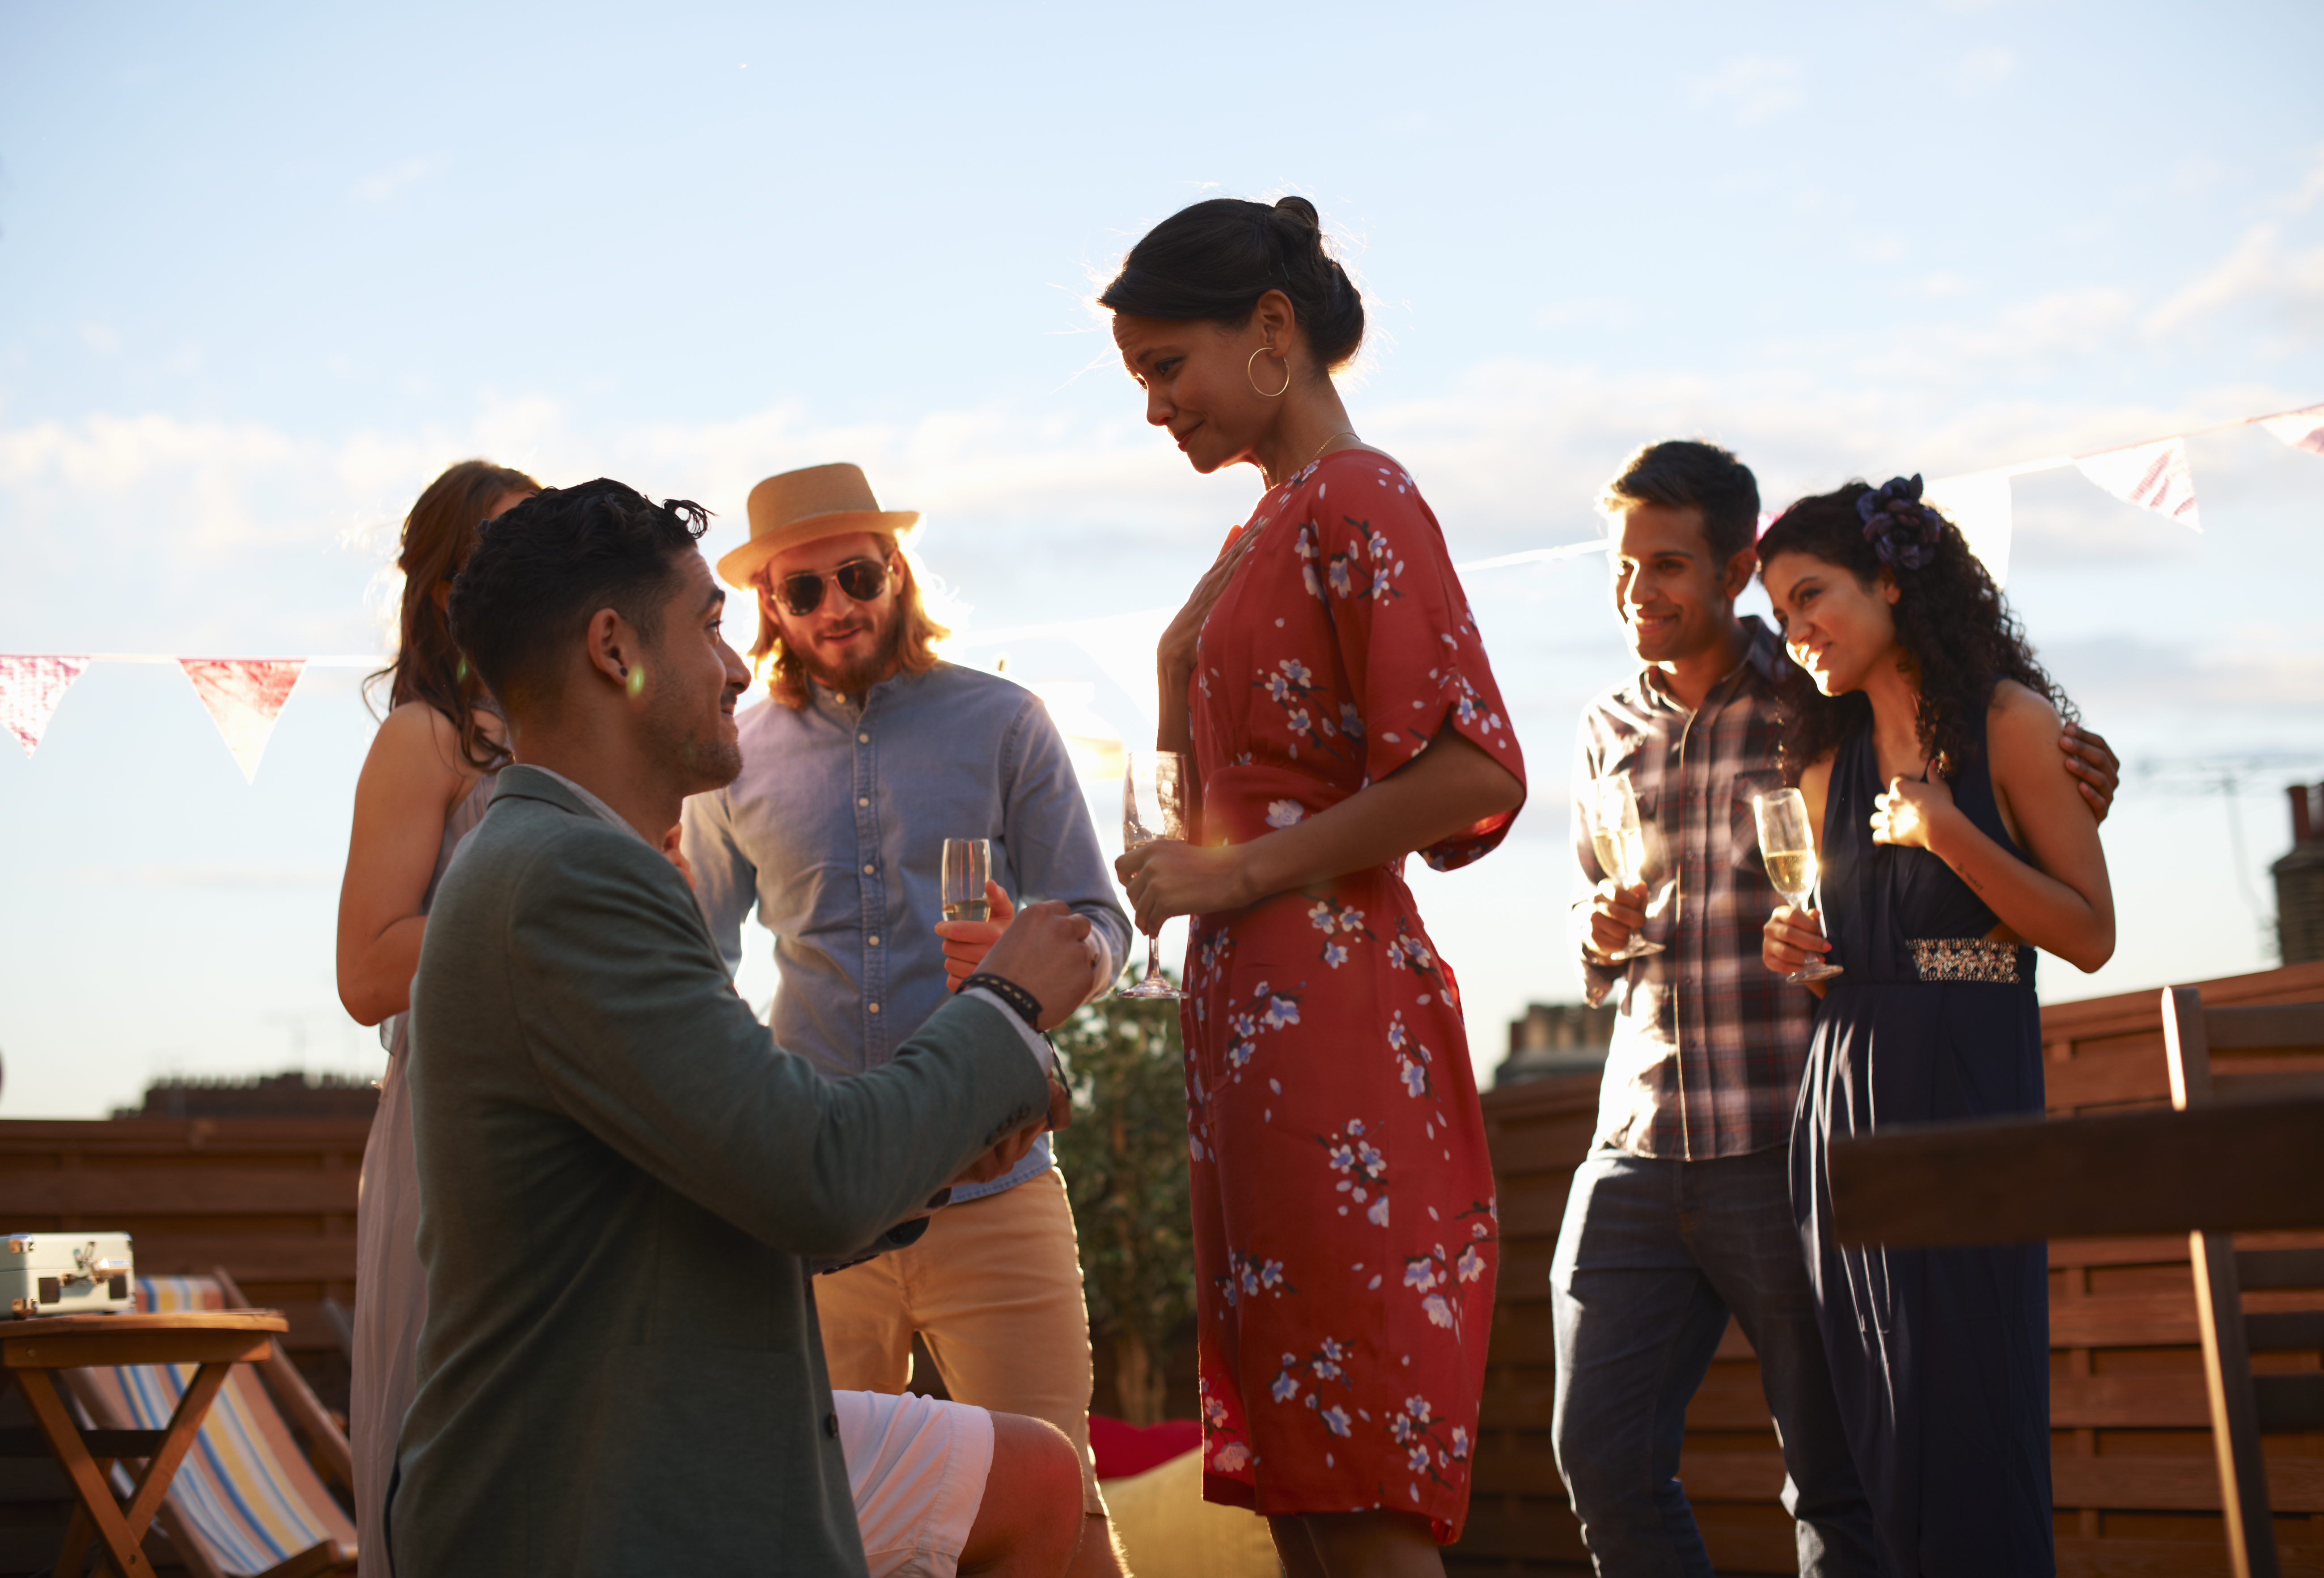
(1345, 1237)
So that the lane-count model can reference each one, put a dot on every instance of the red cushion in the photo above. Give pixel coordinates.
(1123, 1450)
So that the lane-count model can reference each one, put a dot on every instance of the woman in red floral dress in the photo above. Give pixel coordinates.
(1330, 683)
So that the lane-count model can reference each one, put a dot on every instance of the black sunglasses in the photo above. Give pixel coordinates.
(861, 579)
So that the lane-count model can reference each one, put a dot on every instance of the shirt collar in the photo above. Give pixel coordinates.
(597, 808)
(1761, 652)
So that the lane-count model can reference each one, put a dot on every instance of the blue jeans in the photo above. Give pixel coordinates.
(1654, 1255)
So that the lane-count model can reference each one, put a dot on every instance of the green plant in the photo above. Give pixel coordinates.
(1124, 1157)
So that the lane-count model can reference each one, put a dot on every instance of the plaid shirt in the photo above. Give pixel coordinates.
(1708, 1046)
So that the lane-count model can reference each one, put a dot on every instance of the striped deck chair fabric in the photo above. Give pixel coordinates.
(245, 1497)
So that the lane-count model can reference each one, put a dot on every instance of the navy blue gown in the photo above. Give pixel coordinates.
(1939, 1358)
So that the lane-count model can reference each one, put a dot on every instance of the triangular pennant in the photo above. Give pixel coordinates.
(244, 696)
(2302, 430)
(2154, 477)
(1979, 506)
(29, 689)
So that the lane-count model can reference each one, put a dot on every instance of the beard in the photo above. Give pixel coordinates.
(706, 755)
(862, 675)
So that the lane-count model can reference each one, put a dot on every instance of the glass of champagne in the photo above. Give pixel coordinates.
(1787, 845)
(967, 865)
(1620, 840)
(1153, 808)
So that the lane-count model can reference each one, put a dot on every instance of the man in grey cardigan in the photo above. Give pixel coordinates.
(624, 1180)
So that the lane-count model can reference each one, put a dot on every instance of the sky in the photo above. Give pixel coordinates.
(264, 270)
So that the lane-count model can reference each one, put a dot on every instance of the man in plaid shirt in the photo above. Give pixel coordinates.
(1681, 1215)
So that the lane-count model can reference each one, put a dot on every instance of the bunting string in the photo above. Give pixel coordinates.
(244, 695)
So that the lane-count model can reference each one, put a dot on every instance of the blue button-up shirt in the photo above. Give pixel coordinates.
(834, 833)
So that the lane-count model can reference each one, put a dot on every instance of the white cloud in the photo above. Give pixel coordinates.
(2262, 273)
(1980, 72)
(1752, 88)
(380, 187)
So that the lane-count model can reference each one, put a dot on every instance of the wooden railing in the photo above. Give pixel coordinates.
(2134, 1486)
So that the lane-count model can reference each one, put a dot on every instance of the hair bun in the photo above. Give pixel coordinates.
(1301, 212)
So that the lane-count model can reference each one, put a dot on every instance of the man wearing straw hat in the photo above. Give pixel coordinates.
(870, 754)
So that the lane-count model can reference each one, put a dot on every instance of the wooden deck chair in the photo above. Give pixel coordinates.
(246, 1502)
(2229, 1054)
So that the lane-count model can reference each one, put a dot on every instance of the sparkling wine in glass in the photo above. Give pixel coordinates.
(1620, 840)
(1788, 845)
(1153, 807)
(967, 865)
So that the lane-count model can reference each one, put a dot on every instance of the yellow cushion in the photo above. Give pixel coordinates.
(1168, 1531)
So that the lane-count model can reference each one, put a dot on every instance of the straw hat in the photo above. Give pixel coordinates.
(807, 506)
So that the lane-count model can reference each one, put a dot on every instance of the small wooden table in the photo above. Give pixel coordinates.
(215, 1340)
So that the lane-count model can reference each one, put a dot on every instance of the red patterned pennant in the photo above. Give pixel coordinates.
(2154, 477)
(244, 696)
(29, 689)
(2302, 430)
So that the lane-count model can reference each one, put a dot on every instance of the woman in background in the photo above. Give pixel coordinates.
(1330, 683)
(424, 785)
(1952, 842)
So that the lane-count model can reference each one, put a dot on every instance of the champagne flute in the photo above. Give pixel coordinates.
(1788, 847)
(1620, 840)
(1153, 808)
(967, 865)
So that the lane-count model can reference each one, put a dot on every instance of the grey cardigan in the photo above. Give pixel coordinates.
(620, 1175)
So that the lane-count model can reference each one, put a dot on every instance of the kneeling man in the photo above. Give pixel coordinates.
(624, 1181)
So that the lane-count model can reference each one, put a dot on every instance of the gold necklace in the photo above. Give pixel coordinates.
(1326, 444)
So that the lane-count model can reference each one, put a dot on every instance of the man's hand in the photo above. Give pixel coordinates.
(997, 1162)
(966, 942)
(1616, 914)
(1045, 951)
(2097, 770)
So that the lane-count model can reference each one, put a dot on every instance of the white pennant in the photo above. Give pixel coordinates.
(29, 689)
(2302, 430)
(244, 696)
(2154, 477)
(1979, 506)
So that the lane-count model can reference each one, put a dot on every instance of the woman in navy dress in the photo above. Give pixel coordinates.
(1952, 844)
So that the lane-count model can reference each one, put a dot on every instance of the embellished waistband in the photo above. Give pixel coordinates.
(1966, 958)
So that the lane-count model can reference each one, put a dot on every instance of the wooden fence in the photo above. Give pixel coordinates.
(2136, 1492)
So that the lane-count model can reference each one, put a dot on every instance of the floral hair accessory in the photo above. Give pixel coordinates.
(1902, 530)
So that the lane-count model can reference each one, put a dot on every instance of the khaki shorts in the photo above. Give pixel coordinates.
(994, 1288)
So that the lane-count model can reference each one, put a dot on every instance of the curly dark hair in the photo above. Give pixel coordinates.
(539, 573)
(1952, 620)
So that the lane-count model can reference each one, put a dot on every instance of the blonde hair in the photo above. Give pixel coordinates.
(916, 652)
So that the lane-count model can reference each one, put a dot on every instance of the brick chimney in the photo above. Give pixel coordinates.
(2299, 880)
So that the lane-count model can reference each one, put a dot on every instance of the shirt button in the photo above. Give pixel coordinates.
(875, 1008)
(863, 799)
(867, 870)
(831, 1425)
(863, 739)
(875, 942)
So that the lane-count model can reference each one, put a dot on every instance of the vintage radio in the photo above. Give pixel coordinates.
(66, 1272)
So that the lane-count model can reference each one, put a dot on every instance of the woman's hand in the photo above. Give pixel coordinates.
(1174, 655)
(1911, 808)
(1168, 878)
(1791, 938)
(672, 852)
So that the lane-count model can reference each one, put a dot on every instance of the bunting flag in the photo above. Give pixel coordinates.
(244, 696)
(2302, 430)
(1979, 506)
(30, 688)
(2153, 475)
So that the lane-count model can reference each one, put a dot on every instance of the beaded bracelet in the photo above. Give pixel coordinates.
(1028, 1006)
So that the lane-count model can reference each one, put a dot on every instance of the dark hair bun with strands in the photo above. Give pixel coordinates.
(1215, 260)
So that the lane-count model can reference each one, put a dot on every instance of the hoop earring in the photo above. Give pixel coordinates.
(1255, 389)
